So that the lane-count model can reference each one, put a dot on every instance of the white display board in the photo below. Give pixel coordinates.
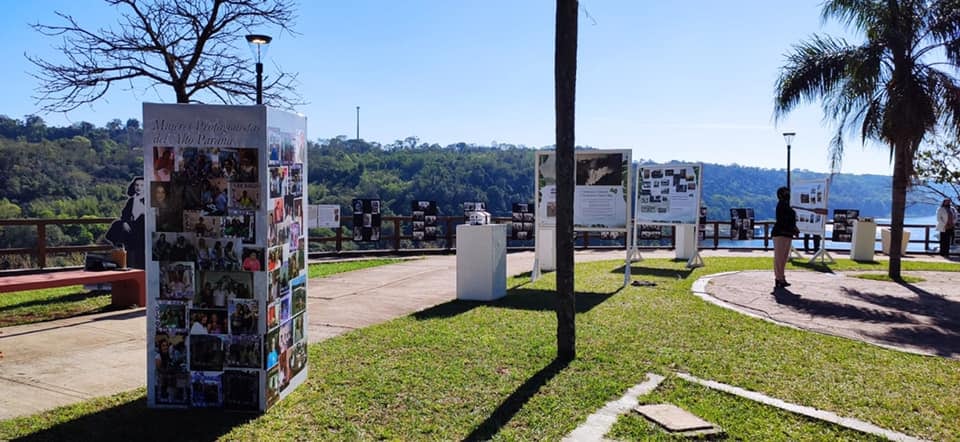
(809, 199)
(325, 216)
(600, 201)
(226, 255)
(669, 194)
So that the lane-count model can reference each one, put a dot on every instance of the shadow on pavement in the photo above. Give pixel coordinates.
(134, 421)
(830, 309)
(515, 402)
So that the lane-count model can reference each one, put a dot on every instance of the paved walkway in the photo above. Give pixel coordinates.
(923, 317)
(67, 361)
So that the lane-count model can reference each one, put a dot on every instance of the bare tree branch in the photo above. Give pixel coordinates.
(193, 47)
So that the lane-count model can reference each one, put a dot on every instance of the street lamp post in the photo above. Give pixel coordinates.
(788, 137)
(258, 45)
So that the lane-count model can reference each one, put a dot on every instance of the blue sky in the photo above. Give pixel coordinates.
(690, 81)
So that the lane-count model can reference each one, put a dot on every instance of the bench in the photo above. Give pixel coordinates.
(128, 287)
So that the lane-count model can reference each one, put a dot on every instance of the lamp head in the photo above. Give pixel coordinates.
(788, 137)
(258, 45)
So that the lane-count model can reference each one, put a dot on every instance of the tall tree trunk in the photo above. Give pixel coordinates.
(565, 89)
(899, 200)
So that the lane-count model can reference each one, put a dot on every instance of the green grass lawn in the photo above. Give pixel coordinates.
(32, 306)
(739, 418)
(467, 370)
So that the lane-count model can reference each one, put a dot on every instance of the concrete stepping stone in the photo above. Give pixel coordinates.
(677, 420)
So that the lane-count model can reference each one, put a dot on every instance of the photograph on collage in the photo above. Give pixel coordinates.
(206, 390)
(252, 259)
(271, 352)
(171, 317)
(241, 224)
(295, 181)
(207, 352)
(170, 353)
(299, 290)
(208, 321)
(298, 358)
(177, 280)
(244, 316)
(244, 196)
(241, 390)
(273, 316)
(243, 352)
(163, 163)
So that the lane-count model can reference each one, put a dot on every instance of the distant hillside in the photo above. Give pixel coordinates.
(341, 170)
(83, 170)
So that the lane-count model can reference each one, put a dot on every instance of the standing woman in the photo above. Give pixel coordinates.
(784, 229)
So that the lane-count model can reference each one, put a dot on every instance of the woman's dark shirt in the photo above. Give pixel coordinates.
(786, 224)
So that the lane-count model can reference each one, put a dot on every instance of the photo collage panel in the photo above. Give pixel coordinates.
(204, 202)
(843, 224)
(741, 224)
(424, 220)
(663, 189)
(366, 220)
(522, 217)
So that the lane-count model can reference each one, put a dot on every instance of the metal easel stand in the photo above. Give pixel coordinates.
(823, 255)
(695, 261)
(794, 253)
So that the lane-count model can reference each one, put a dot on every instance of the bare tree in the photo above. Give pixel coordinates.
(565, 90)
(195, 47)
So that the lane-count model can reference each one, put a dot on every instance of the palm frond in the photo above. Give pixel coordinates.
(813, 70)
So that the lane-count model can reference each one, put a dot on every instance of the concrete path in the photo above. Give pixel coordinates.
(922, 317)
(56, 363)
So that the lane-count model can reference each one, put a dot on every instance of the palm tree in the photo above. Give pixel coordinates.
(885, 87)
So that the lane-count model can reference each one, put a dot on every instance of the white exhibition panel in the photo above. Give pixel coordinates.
(808, 197)
(669, 194)
(481, 262)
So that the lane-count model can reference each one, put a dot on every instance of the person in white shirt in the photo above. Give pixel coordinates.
(946, 220)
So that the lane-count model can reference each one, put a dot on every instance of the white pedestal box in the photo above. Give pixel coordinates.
(864, 238)
(686, 246)
(885, 241)
(481, 262)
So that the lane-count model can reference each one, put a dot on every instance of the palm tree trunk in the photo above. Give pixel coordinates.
(899, 200)
(565, 84)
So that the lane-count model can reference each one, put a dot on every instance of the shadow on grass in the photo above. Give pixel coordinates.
(134, 421)
(515, 402)
(640, 270)
(519, 299)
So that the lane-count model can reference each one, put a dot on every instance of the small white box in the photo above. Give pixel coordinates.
(481, 262)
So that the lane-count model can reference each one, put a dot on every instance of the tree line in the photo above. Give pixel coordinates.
(82, 171)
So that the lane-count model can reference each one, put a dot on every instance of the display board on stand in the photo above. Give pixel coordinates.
(809, 199)
(366, 220)
(600, 200)
(226, 263)
(741, 224)
(324, 215)
(669, 195)
(522, 221)
(843, 224)
(424, 219)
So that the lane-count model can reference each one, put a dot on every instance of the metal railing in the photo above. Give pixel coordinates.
(397, 239)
